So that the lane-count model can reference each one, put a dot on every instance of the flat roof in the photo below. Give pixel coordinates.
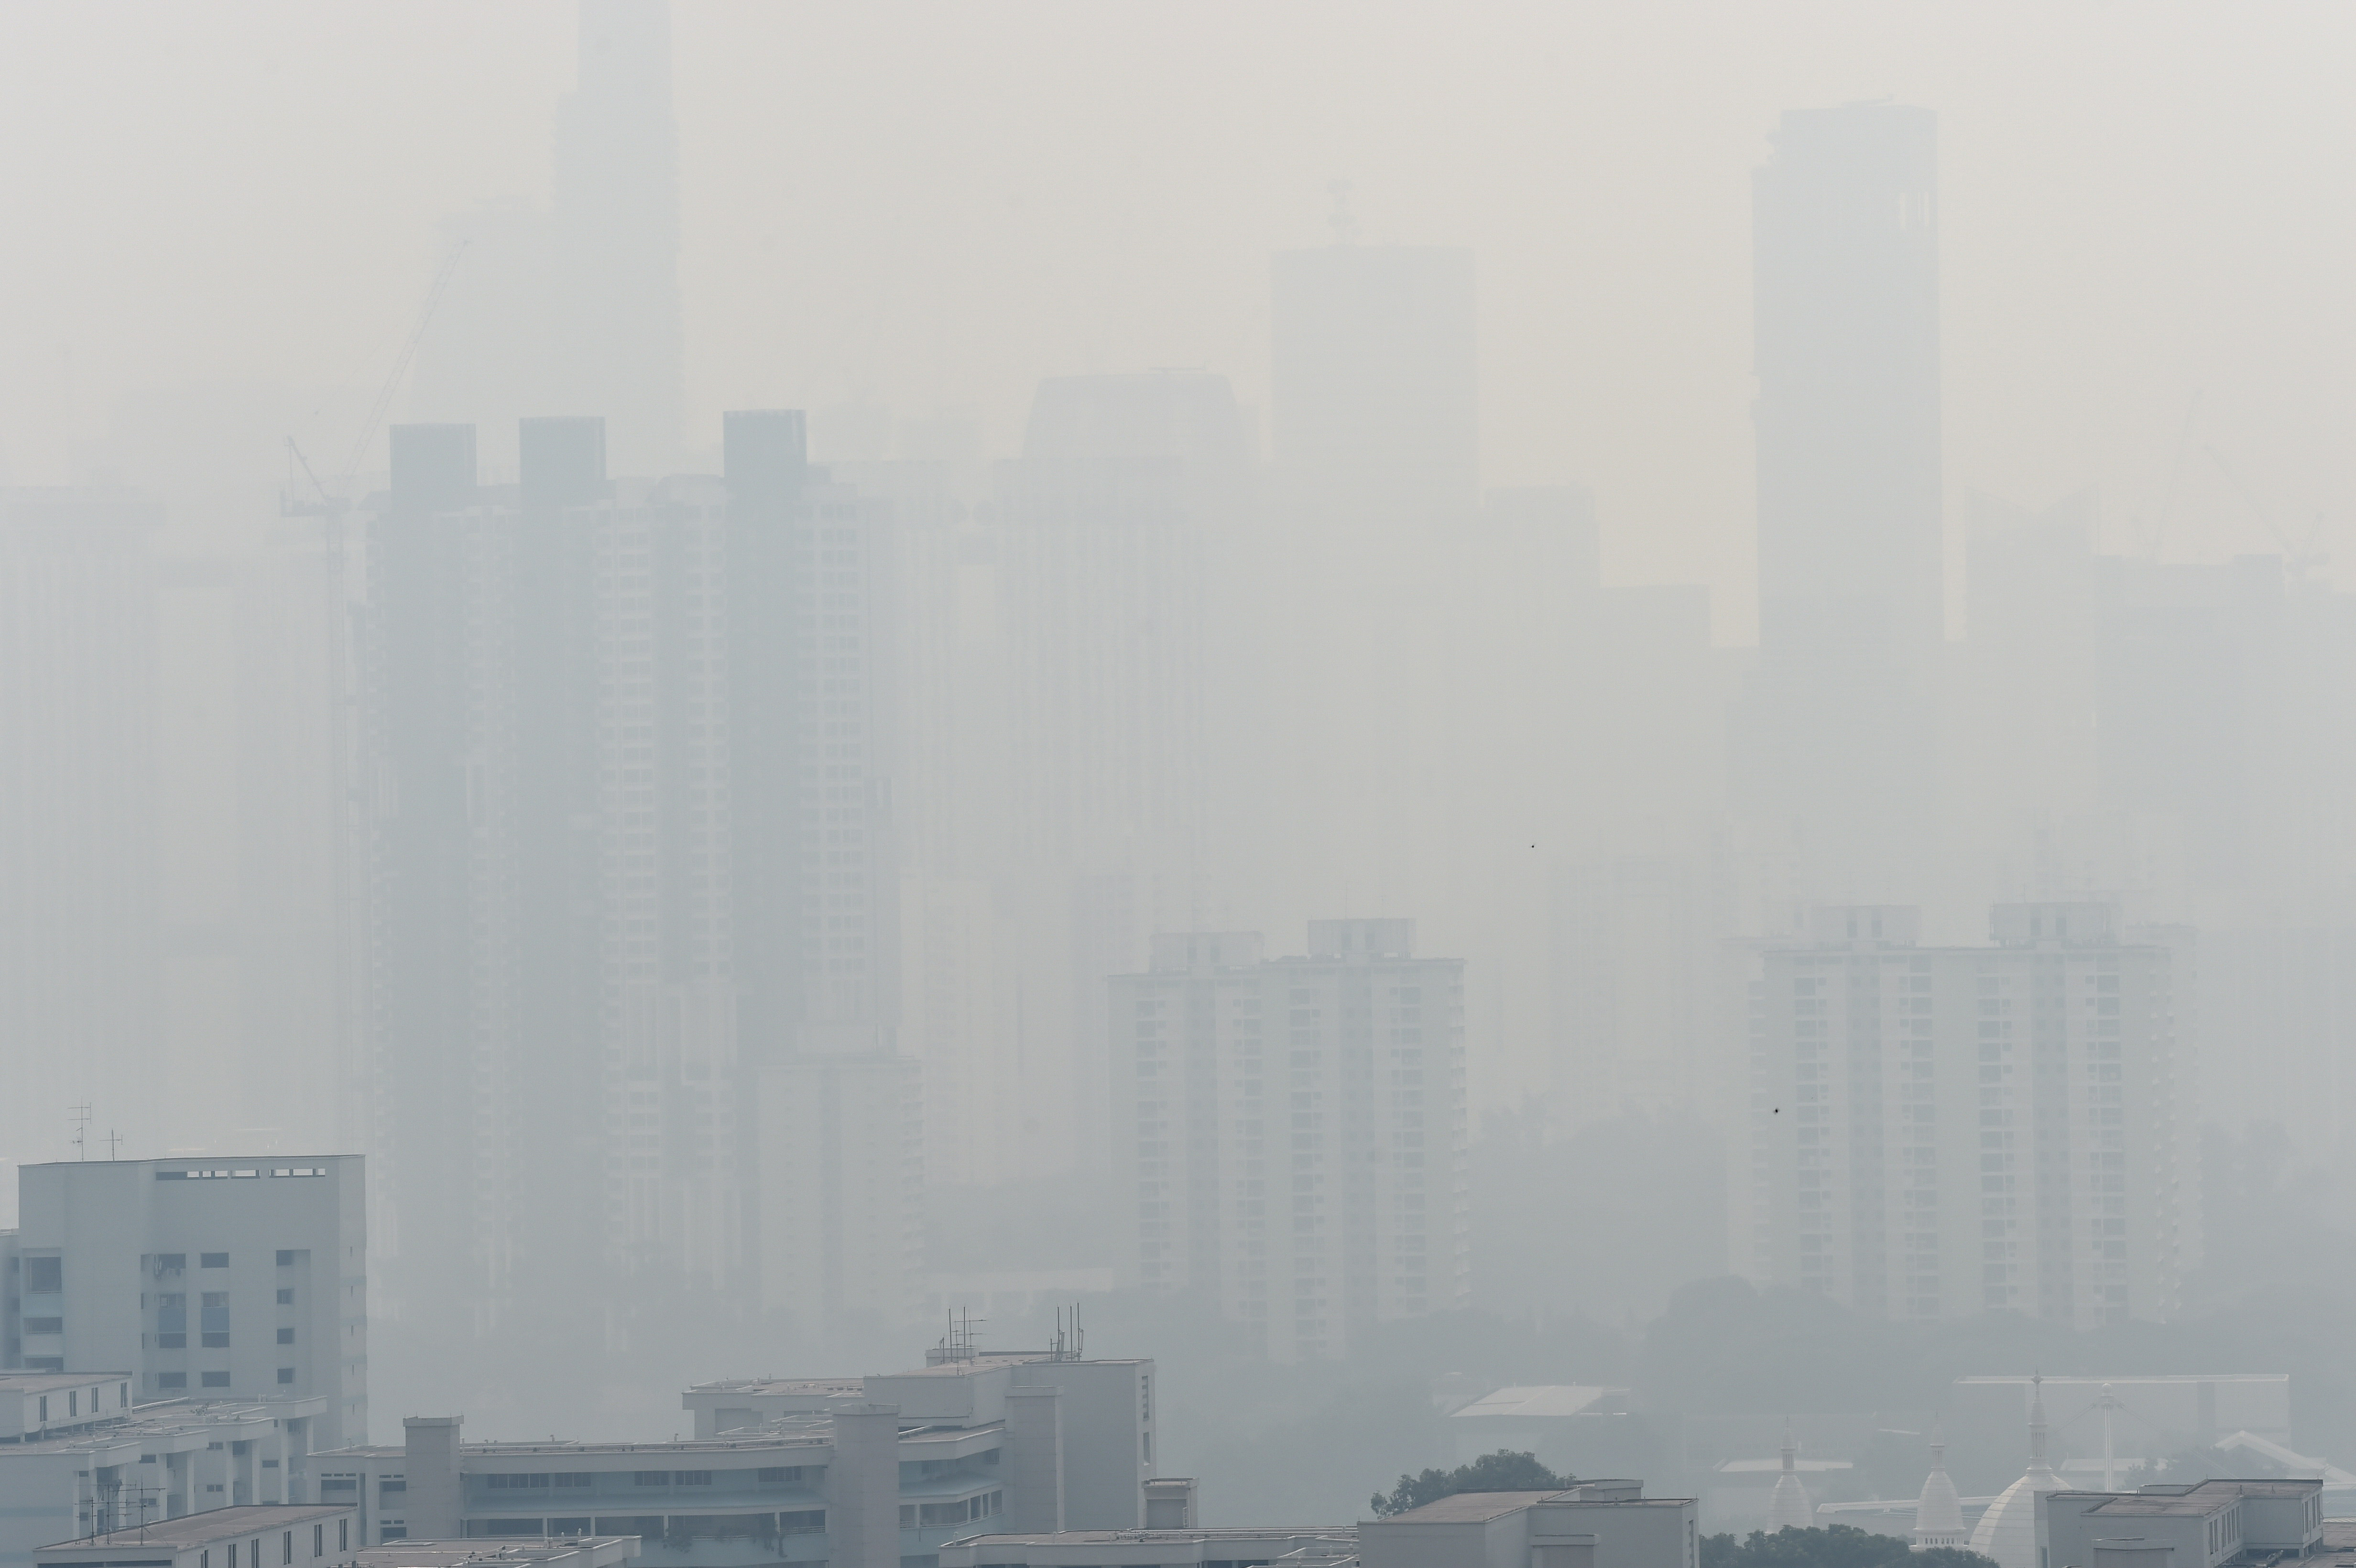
(1471, 1508)
(192, 1530)
(1535, 1400)
(46, 1382)
(848, 1387)
(504, 1548)
(1169, 1537)
(2192, 1501)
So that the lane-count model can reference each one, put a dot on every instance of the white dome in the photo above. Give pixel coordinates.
(2007, 1532)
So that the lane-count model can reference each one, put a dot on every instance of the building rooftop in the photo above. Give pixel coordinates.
(50, 1383)
(2182, 1501)
(1337, 1533)
(1471, 1508)
(570, 1552)
(194, 1529)
(1538, 1400)
(837, 1388)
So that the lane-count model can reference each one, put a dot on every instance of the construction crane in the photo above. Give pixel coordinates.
(2297, 559)
(333, 503)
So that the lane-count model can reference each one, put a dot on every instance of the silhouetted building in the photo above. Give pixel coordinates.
(1837, 736)
(1292, 1130)
(631, 881)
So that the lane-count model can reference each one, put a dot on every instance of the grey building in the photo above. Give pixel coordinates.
(86, 1456)
(2200, 1525)
(213, 1279)
(1299, 1148)
(1941, 1131)
(630, 874)
(864, 1471)
(258, 1535)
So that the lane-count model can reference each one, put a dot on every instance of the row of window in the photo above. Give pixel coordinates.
(208, 1379)
(285, 1546)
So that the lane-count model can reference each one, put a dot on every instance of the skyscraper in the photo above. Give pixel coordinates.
(1838, 733)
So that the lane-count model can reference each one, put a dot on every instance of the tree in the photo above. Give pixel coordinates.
(1503, 1471)
(1836, 1546)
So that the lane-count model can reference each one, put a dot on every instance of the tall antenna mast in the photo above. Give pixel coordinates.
(81, 1129)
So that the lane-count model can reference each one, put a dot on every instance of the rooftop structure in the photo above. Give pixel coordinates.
(1939, 1513)
(1790, 1508)
(1596, 1524)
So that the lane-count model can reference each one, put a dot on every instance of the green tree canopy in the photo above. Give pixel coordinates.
(1503, 1471)
(1836, 1546)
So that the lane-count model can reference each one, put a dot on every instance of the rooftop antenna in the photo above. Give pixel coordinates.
(1344, 226)
(113, 1144)
(81, 1129)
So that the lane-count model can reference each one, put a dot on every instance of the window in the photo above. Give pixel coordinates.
(285, 1374)
(318, 1541)
(45, 1408)
(216, 1379)
(572, 1478)
(285, 1295)
(286, 1546)
(286, 1257)
(122, 1399)
(651, 1477)
(73, 1401)
(171, 1262)
(171, 1380)
(287, 1336)
(692, 1477)
(779, 1474)
(339, 1484)
(391, 1485)
(44, 1276)
(390, 1532)
(213, 1260)
(44, 1325)
(232, 1555)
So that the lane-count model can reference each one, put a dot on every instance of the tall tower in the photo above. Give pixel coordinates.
(1838, 731)
(616, 232)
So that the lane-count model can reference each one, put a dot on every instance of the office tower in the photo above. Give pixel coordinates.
(224, 1279)
(1837, 735)
(577, 305)
(1294, 1129)
(79, 1008)
(1936, 1132)
(632, 872)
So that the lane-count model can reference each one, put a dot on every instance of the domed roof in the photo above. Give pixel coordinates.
(2007, 1532)
(1939, 1514)
(1790, 1508)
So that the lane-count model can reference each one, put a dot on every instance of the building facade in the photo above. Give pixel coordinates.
(236, 1280)
(1937, 1132)
(1298, 1148)
(868, 1471)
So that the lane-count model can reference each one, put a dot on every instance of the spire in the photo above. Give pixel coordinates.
(2037, 1421)
(1939, 1513)
(1791, 1508)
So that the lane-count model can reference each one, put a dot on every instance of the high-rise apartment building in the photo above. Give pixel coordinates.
(1838, 735)
(1941, 1131)
(631, 871)
(1293, 1129)
(212, 1279)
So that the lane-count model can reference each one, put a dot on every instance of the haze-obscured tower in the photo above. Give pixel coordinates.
(1838, 731)
(576, 307)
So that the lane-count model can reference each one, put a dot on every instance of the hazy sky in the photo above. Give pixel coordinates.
(933, 205)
